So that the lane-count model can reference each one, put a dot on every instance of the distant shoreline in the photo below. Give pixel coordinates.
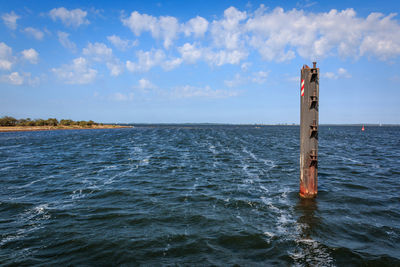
(52, 128)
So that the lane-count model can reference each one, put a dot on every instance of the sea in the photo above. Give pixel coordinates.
(198, 195)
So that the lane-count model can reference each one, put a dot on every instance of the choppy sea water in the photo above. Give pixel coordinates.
(198, 195)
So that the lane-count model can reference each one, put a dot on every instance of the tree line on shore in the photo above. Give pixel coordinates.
(11, 121)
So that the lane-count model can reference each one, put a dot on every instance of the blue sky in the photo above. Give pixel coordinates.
(205, 61)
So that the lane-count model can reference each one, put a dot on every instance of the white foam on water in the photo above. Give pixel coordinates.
(10, 146)
(269, 234)
(215, 150)
(270, 163)
(30, 221)
(308, 252)
(240, 218)
(212, 149)
(145, 161)
(268, 202)
(244, 149)
(20, 234)
(264, 188)
(346, 159)
(28, 184)
(77, 194)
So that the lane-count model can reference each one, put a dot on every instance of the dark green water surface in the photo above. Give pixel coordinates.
(198, 196)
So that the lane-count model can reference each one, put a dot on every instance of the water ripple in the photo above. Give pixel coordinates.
(198, 195)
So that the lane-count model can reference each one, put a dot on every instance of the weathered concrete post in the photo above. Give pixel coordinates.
(309, 93)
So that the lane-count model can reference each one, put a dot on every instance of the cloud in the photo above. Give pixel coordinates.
(115, 67)
(305, 4)
(145, 84)
(122, 97)
(188, 91)
(10, 20)
(120, 43)
(146, 60)
(190, 54)
(236, 81)
(276, 35)
(341, 73)
(164, 27)
(15, 78)
(381, 37)
(227, 32)
(76, 73)
(74, 17)
(245, 66)
(223, 57)
(35, 33)
(6, 58)
(259, 77)
(196, 26)
(172, 63)
(63, 38)
(31, 55)
(279, 35)
(98, 52)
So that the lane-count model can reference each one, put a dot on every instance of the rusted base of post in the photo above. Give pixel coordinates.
(309, 184)
(306, 195)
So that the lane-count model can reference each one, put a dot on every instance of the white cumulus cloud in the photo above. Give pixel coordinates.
(280, 35)
(190, 53)
(146, 60)
(64, 40)
(6, 58)
(10, 20)
(340, 73)
(16, 78)
(121, 44)
(115, 67)
(13, 78)
(30, 55)
(145, 84)
(78, 72)
(196, 26)
(227, 32)
(74, 17)
(223, 57)
(164, 27)
(35, 33)
(259, 77)
(97, 51)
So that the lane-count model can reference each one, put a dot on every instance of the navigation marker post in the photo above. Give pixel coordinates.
(309, 97)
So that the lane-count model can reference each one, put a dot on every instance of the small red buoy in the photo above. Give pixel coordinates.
(362, 129)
